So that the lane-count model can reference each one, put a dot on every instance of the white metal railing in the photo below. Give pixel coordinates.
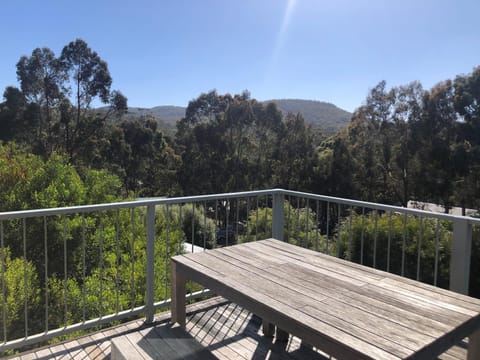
(461, 236)
(136, 238)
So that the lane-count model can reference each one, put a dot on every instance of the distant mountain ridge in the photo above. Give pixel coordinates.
(319, 114)
(167, 113)
(323, 115)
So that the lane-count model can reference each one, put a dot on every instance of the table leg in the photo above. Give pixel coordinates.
(474, 346)
(268, 328)
(281, 335)
(178, 296)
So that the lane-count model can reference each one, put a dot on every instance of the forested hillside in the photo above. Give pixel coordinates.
(166, 113)
(323, 116)
(165, 116)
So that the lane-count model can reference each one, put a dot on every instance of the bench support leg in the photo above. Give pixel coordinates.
(474, 346)
(268, 328)
(178, 296)
(281, 335)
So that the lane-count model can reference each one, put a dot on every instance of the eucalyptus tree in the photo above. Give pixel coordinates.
(88, 75)
(267, 135)
(55, 106)
(295, 157)
(384, 138)
(201, 144)
(12, 123)
(438, 136)
(88, 79)
(379, 110)
(371, 136)
(237, 127)
(41, 78)
(408, 112)
(467, 100)
(142, 157)
(467, 157)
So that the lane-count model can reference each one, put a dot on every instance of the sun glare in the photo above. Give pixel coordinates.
(287, 16)
(290, 6)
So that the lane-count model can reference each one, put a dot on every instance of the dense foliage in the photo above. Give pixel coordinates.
(408, 143)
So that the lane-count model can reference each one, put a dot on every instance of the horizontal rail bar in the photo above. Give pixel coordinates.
(20, 214)
(199, 198)
(378, 206)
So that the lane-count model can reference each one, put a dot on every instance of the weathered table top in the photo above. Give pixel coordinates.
(343, 308)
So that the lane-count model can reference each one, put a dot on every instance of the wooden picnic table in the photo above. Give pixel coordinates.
(345, 309)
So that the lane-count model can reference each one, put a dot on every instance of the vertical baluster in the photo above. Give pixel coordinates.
(25, 290)
(180, 221)
(65, 279)
(404, 242)
(192, 237)
(435, 271)
(297, 222)
(362, 237)
(248, 218)
(288, 217)
(204, 225)
(419, 249)
(237, 219)
(328, 228)
(132, 250)
(4, 310)
(375, 238)
(100, 297)
(266, 215)
(193, 227)
(339, 211)
(306, 223)
(167, 262)
(316, 225)
(389, 240)
(45, 250)
(216, 221)
(350, 230)
(150, 281)
(226, 221)
(117, 260)
(84, 269)
(256, 220)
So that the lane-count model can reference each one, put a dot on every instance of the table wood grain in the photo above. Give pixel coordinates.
(345, 309)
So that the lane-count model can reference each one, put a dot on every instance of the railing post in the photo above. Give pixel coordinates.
(277, 216)
(460, 257)
(149, 296)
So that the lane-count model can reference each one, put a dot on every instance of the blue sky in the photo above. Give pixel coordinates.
(168, 52)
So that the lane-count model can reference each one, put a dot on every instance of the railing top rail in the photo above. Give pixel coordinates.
(383, 207)
(128, 204)
(199, 198)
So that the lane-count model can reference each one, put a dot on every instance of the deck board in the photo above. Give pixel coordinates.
(225, 329)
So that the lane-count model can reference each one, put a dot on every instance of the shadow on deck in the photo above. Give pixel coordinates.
(225, 329)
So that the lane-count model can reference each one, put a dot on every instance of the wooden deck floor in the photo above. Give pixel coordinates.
(224, 328)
